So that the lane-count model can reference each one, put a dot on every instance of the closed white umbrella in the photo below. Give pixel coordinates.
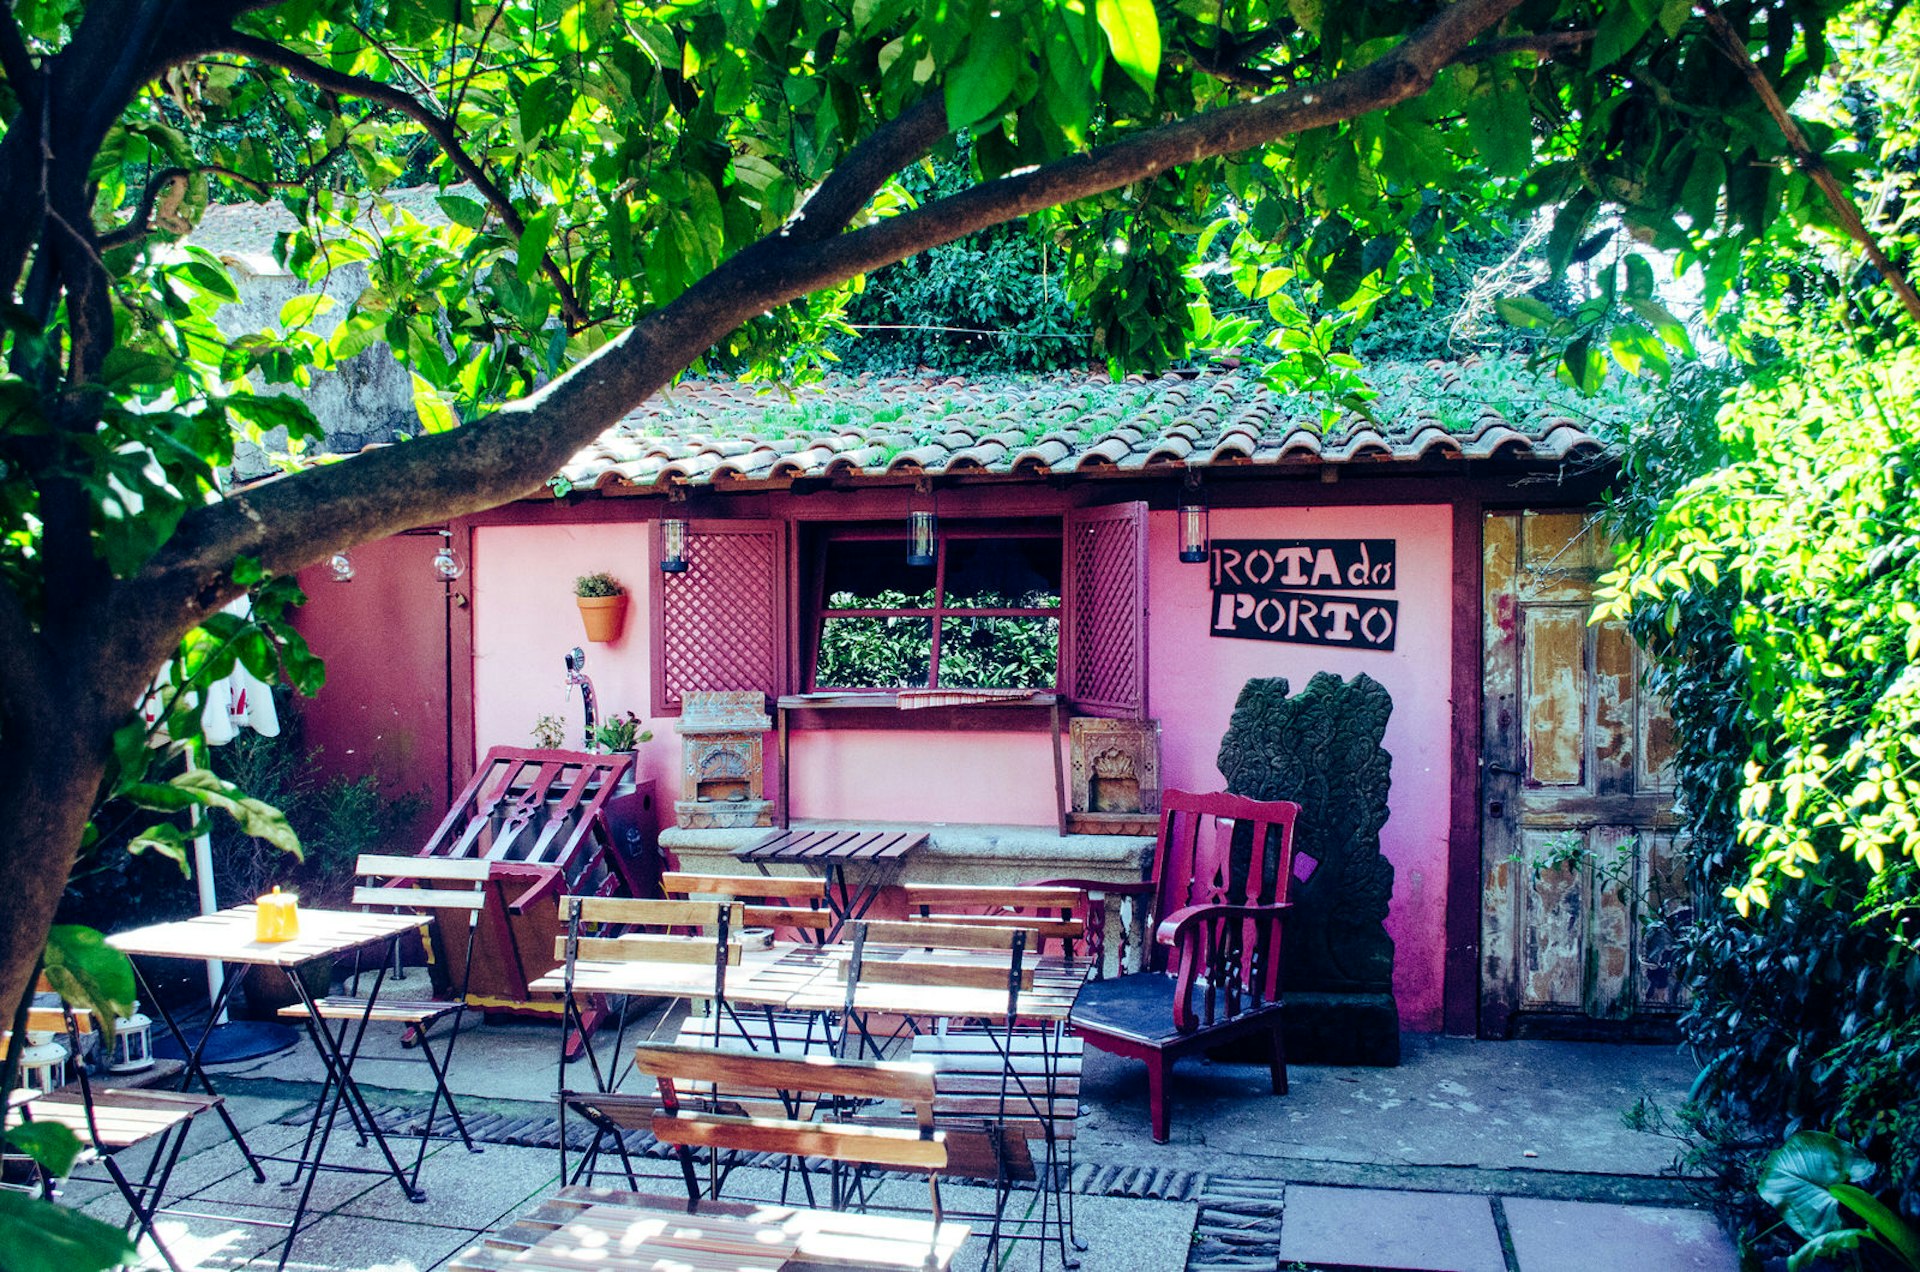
(240, 701)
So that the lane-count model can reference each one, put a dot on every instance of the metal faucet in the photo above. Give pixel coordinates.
(577, 675)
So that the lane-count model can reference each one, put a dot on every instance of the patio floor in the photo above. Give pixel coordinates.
(1508, 1157)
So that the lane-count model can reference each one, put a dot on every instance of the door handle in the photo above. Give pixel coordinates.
(1507, 769)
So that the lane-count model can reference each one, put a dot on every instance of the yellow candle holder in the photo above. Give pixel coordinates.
(277, 918)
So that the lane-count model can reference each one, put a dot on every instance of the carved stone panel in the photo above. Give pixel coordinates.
(1321, 748)
(1115, 776)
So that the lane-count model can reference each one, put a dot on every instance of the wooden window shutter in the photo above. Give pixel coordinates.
(722, 623)
(1104, 658)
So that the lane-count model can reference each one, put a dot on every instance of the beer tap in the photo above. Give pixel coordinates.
(577, 675)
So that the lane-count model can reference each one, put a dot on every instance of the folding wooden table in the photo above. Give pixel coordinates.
(229, 937)
(614, 1231)
(830, 850)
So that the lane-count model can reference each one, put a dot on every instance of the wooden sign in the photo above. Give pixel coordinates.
(1345, 565)
(1283, 590)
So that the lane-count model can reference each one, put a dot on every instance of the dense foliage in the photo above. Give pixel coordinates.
(1770, 573)
(1771, 565)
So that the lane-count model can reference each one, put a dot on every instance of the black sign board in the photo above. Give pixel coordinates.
(1312, 565)
(1284, 590)
(1307, 618)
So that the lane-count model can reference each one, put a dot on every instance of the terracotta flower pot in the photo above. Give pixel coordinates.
(603, 615)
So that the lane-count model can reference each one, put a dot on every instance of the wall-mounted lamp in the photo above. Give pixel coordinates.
(923, 524)
(673, 546)
(447, 565)
(1195, 521)
(342, 567)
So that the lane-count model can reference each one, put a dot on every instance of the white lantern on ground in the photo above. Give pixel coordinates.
(43, 1062)
(132, 1043)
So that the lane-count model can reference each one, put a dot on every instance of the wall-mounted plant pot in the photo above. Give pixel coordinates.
(603, 615)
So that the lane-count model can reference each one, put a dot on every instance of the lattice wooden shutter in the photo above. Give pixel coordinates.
(1104, 662)
(720, 625)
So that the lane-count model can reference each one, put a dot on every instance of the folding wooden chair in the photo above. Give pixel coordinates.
(772, 901)
(110, 1121)
(404, 885)
(1005, 1074)
(1050, 913)
(608, 943)
(700, 1088)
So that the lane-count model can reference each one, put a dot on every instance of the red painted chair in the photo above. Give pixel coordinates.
(1219, 892)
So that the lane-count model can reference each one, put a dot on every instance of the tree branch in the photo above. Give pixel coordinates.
(1227, 61)
(853, 182)
(139, 225)
(436, 126)
(1546, 44)
(1808, 161)
(295, 520)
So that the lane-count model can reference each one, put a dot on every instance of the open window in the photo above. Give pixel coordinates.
(985, 615)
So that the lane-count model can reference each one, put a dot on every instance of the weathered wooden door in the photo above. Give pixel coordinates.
(1582, 883)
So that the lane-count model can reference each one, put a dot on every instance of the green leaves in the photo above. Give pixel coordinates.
(1133, 36)
(1810, 1178)
(978, 86)
(40, 1236)
(1500, 122)
(1526, 311)
(84, 969)
(531, 249)
(1621, 27)
(50, 1144)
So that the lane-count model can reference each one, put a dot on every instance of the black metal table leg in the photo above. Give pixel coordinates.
(193, 1069)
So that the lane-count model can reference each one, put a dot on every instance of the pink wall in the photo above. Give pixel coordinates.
(383, 710)
(974, 776)
(524, 621)
(1194, 678)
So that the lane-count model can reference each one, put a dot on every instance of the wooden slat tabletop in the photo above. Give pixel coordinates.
(595, 1225)
(764, 977)
(828, 844)
(229, 936)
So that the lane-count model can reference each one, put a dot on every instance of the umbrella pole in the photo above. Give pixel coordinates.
(203, 878)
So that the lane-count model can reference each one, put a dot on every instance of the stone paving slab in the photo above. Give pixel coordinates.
(1381, 1228)
(1584, 1236)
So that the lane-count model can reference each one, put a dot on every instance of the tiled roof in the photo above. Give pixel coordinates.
(735, 434)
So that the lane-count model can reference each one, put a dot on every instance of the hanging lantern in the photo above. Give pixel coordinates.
(447, 564)
(923, 525)
(673, 546)
(920, 537)
(342, 567)
(1195, 525)
(132, 1043)
(43, 1062)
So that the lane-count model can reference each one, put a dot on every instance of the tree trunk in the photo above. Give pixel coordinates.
(46, 796)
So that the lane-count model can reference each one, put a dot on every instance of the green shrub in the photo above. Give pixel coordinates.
(1771, 568)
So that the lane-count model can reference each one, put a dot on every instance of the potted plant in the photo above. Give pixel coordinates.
(620, 733)
(603, 605)
(550, 733)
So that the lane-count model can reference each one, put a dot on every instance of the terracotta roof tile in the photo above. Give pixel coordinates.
(874, 425)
